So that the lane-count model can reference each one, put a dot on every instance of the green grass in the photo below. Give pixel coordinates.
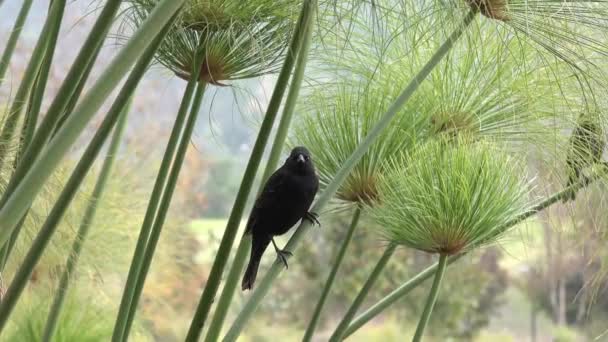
(209, 233)
(204, 226)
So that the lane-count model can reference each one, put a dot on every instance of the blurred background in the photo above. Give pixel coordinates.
(542, 283)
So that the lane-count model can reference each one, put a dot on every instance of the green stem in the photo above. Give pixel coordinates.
(87, 55)
(393, 297)
(240, 258)
(8, 247)
(45, 164)
(13, 38)
(65, 91)
(292, 98)
(84, 228)
(411, 284)
(432, 298)
(35, 103)
(339, 333)
(77, 92)
(91, 45)
(264, 285)
(27, 131)
(332, 276)
(164, 206)
(50, 225)
(232, 280)
(50, 31)
(234, 220)
(153, 203)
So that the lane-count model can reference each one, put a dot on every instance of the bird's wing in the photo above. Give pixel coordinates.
(267, 197)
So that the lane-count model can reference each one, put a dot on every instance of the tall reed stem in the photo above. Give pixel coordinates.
(37, 142)
(20, 200)
(85, 226)
(75, 97)
(264, 285)
(11, 43)
(234, 220)
(87, 55)
(122, 318)
(338, 334)
(164, 205)
(310, 330)
(240, 258)
(28, 128)
(49, 33)
(418, 279)
(50, 225)
(432, 298)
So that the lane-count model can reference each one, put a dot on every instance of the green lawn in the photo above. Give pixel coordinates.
(209, 232)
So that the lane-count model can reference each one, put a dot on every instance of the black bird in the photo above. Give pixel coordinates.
(285, 200)
(586, 148)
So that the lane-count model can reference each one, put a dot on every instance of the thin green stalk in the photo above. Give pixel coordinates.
(50, 225)
(339, 333)
(74, 98)
(164, 205)
(432, 298)
(38, 142)
(232, 280)
(264, 286)
(392, 298)
(36, 98)
(418, 279)
(234, 220)
(49, 33)
(77, 73)
(27, 132)
(240, 258)
(140, 249)
(11, 43)
(85, 226)
(310, 330)
(292, 98)
(6, 250)
(28, 188)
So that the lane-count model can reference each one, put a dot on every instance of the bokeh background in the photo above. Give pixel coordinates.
(541, 283)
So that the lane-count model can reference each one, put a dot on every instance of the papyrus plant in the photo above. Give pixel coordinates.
(448, 198)
(211, 43)
(335, 122)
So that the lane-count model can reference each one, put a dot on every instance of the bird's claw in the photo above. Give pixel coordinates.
(313, 218)
(283, 255)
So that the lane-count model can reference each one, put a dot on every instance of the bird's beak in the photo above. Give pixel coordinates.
(301, 159)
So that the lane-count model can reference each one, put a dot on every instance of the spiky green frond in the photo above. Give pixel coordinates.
(239, 39)
(574, 32)
(450, 197)
(336, 122)
(479, 90)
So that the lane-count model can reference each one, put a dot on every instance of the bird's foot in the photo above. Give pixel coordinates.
(283, 255)
(313, 218)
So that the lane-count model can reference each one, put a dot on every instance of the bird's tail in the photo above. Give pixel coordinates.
(258, 246)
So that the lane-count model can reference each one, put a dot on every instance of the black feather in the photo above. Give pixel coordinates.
(284, 200)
